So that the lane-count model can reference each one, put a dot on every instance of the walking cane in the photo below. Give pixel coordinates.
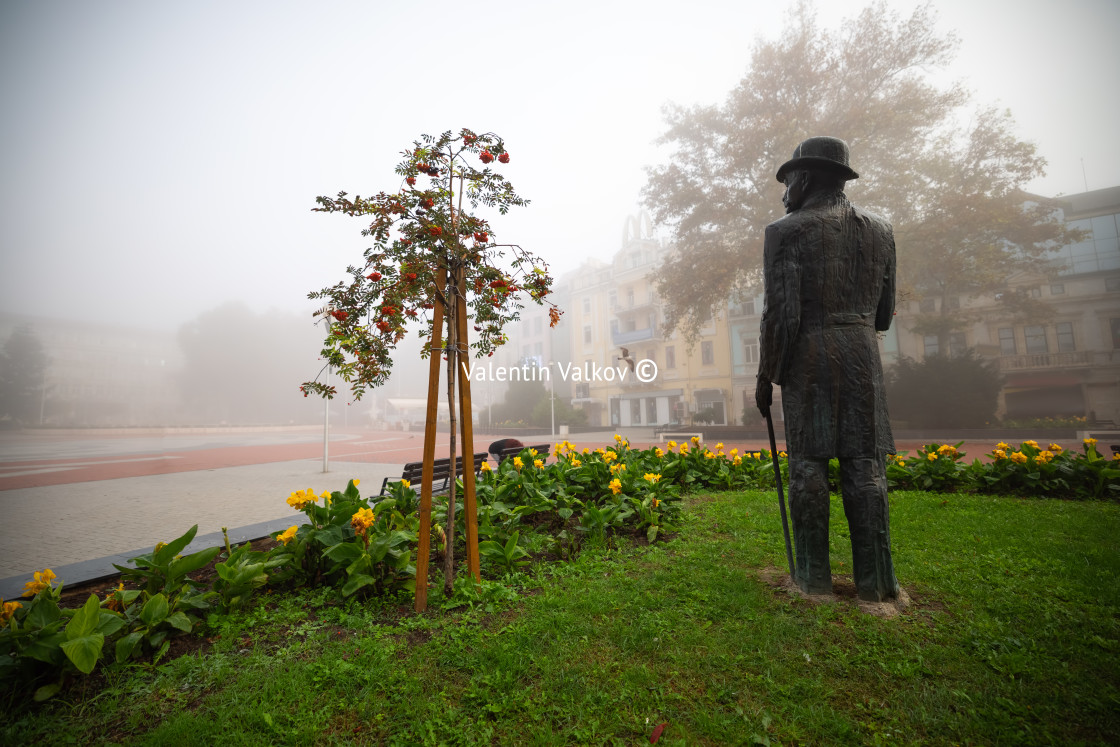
(781, 498)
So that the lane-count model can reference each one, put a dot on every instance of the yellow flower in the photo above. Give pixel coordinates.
(1019, 457)
(719, 446)
(734, 453)
(485, 467)
(532, 452)
(901, 461)
(695, 440)
(1031, 443)
(651, 477)
(708, 454)
(1116, 455)
(1090, 441)
(406, 484)
(8, 609)
(617, 438)
(362, 520)
(586, 450)
(1055, 448)
(609, 456)
(41, 580)
(159, 546)
(616, 486)
(932, 456)
(658, 452)
(1044, 456)
(517, 463)
(356, 481)
(113, 600)
(947, 450)
(684, 448)
(782, 454)
(576, 462)
(1002, 446)
(999, 454)
(301, 498)
(737, 461)
(538, 463)
(287, 535)
(655, 503)
(671, 445)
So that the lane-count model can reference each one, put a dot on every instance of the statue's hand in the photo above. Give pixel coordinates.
(763, 395)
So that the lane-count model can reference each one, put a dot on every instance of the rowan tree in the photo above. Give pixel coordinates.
(950, 181)
(431, 245)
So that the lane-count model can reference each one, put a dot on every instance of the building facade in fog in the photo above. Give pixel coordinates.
(99, 375)
(1065, 362)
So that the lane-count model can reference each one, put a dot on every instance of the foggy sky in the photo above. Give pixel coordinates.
(159, 159)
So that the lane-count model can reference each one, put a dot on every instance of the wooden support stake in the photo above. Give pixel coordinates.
(434, 360)
(466, 421)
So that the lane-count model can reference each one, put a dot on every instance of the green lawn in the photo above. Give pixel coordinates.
(1013, 637)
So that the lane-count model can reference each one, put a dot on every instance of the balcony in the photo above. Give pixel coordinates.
(633, 336)
(1074, 359)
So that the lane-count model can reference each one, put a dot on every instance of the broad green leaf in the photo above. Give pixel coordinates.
(155, 610)
(192, 562)
(126, 645)
(43, 612)
(344, 552)
(46, 691)
(85, 620)
(180, 621)
(356, 582)
(174, 547)
(84, 651)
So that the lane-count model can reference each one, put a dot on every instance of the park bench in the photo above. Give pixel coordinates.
(678, 436)
(441, 472)
(542, 451)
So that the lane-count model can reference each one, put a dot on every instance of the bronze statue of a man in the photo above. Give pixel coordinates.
(829, 273)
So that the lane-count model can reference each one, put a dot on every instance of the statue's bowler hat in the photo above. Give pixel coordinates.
(828, 153)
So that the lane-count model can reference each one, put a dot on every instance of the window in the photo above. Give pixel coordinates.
(612, 298)
(587, 334)
(1065, 337)
(750, 350)
(928, 305)
(1036, 292)
(651, 410)
(1007, 341)
(587, 304)
(635, 411)
(583, 390)
(629, 297)
(707, 353)
(956, 344)
(670, 357)
(1057, 289)
(1036, 339)
(931, 345)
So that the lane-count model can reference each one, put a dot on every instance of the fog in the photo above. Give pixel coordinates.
(160, 161)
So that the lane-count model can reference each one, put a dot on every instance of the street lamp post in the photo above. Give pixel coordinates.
(552, 397)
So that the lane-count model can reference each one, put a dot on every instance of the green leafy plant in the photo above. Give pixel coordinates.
(508, 557)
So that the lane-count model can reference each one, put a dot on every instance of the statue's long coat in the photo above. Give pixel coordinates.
(829, 272)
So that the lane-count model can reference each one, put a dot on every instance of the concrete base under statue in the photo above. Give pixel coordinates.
(843, 592)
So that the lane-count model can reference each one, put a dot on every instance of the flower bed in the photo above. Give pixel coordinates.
(526, 508)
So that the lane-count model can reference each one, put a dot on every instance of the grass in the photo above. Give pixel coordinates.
(1013, 637)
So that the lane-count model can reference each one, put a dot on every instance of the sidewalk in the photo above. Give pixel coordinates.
(79, 530)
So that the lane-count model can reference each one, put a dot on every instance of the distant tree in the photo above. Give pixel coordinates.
(521, 397)
(953, 191)
(944, 392)
(23, 364)
(546, 410)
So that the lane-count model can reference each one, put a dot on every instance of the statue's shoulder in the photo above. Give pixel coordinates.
(790, 222)
(872, 218)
